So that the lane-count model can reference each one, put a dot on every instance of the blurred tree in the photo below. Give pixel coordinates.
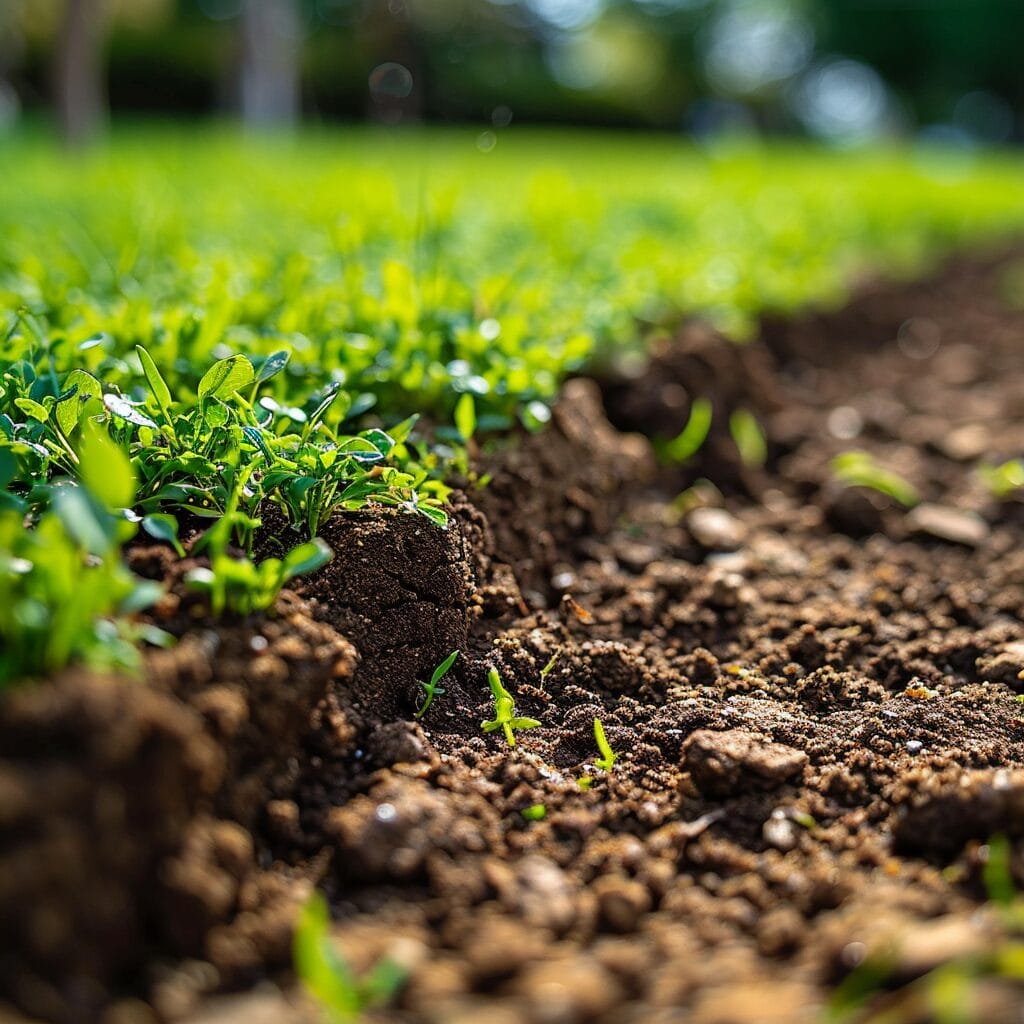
(78, 71)
(271, 62)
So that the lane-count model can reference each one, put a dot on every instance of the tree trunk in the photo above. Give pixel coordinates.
(78, 74)
(271, 54)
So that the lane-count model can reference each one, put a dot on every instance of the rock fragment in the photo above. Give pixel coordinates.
(726, 763)
(957, 526)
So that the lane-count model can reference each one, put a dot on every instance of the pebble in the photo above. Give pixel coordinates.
(966, 442)
(955, 525)
(715, 529)
(780, 831)
(914, 746)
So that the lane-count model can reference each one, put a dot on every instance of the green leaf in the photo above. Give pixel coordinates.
(82, 520)
(442, 670)
(106, 470)
(161, 526)
(749, 438)
(465, 416)
(124, 410)
(68, 411)
(323, 972)
(226, 377)
(272, 365)
(33, 409)
(437, 516)
(307, 558)
(157, 384)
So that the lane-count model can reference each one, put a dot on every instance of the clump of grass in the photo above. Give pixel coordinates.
(65, 594)
(860, 469)
(329, 978)
(505, 717)
(431, 689)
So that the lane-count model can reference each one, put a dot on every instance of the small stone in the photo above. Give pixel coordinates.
(914, 746)
(723, 763)
(781, 831)
(715, 529)
(955, 525)
(967, 442)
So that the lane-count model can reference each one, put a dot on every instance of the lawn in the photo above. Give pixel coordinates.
(654, 435)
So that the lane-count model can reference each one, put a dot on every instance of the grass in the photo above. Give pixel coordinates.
(325, 324)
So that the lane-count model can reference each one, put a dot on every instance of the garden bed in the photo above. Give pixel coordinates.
(812, 693)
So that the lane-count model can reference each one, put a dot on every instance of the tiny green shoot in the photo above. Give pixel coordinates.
(859, 469)
(1003, 480)
(431, 689)
(535, 812)
(608, 757)
(688, 441)
(546, 670)
(329, 978)
(505, 717)
(749, 438)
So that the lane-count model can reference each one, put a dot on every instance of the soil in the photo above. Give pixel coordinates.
(812, 692)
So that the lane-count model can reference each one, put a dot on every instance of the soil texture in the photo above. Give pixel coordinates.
(812, 692)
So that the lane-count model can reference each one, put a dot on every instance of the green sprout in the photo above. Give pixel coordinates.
(535, 812)
(329, 979)
(608, 757)
(546, 670)
(431, 689)
(505, 717)
(859, 469)
(687, 442)
(749, 438)
(1004, 479)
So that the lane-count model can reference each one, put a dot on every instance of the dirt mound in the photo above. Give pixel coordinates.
(811, 693)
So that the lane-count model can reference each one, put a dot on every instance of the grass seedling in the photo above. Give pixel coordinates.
(535, 812)
(1003, 480)
(688, 441)
(859, 469)
(431, 689)
(505, 717)
(546, 670)
(329, 979)
(608, 757)
(749, 438)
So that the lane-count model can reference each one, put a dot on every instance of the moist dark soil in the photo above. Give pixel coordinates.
(812, 692)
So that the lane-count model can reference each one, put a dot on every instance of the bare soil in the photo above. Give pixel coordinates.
(813, 694)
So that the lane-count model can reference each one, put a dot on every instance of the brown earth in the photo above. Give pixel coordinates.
(812, 692)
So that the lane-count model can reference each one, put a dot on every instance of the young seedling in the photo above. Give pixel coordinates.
(608, 757)
(1003, 480)
(749, 438)
(505, 717)
(687, 443)
(329, 979)
(535, 812)
(546, 670)
(431, 689)
(859, 469)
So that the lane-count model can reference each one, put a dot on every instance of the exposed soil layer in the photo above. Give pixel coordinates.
(813, 694)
